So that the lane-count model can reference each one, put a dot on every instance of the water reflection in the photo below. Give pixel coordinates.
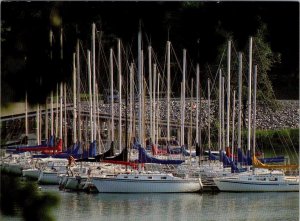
(222, 206)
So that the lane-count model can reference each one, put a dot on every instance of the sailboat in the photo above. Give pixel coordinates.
(265, 179)
(145, 181)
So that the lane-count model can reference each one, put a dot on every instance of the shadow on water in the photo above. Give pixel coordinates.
(23, 199)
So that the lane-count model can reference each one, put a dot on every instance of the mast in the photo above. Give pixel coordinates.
(254, 108)
(223, 108)
(150, 92)
(98, 129)
(139, 136)
(228, 92)
(239, 145)
(181, 114)
(168, 89)
(208, 96)
(183, 96)
(90, 96)
(220, 111)
(233, 126)
(78, 92)
(197, 104)
(74, 100)
(154, 104)
(94, 80)
(143, 101)
(131, 102)
(191, 118)
(249, 100)
(120, 95)
(112, 95)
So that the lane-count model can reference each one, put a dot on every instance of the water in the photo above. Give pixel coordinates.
(221, 206)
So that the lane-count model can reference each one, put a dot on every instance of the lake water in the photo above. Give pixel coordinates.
(221, 206)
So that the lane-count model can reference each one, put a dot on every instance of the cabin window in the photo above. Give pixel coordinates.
(136, 177)
(125, 176)
(249, 178)
(149, 177)
(163, 178)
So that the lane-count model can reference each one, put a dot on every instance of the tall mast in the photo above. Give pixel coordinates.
(168, 89)
(191, 117)
(220, 111)
(239, 145)
(74, 100)
(208, 97)
(143, 100)
(228, 92)
(249, 99)
(183, 95)
(154, 104)
(140, 79)
(181, 115)
(254, 107)
(197, 104)
(233, 126)
(78, 92)
(120, 94)
(150, 92)
(112, 95)
(223, 108)
(131, 102)
(90, 96)
(94, 79)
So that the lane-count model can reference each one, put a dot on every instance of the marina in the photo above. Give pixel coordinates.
(133, 126)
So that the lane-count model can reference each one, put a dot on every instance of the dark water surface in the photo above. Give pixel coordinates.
(221, 206)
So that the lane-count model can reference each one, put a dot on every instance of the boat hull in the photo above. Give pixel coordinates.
(244, 186)
(75, 183)
(108, 185)
(31, 173)
(51, 178)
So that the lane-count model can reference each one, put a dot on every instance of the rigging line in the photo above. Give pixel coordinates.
(158, 65)
(179, 66)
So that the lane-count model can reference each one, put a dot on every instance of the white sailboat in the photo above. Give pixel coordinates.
(258, 180)
(146, 183)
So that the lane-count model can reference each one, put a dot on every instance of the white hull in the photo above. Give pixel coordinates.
(258, 183)
(132, 185)
(31, 173)
(75, 183)
(48, 178)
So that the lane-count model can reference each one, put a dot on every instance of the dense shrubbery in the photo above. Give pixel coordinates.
(24, 199)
